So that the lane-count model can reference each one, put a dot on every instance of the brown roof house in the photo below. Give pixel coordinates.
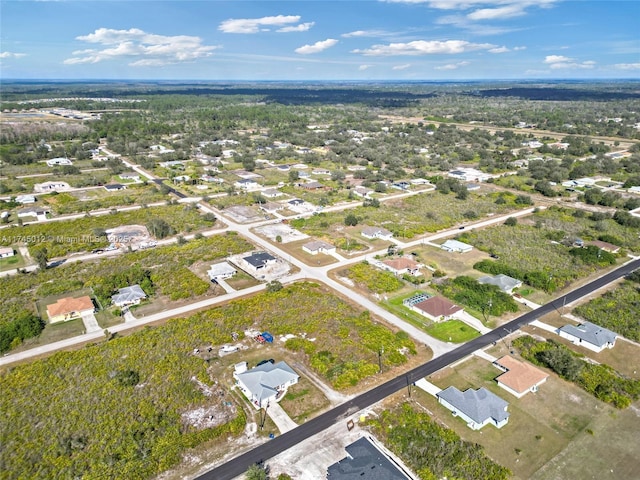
(69, 308)
(519, 378)
(437, 308)
(400, 266)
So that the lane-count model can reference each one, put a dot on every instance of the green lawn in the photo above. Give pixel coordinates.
(10, 263)
(454, 331)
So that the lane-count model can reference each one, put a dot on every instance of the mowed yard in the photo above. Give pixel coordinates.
(559, 420)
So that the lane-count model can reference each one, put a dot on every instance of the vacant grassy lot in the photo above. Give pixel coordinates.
(414, 215)
(89, 200)
(535, 247)
(303, 401)
(541, 425)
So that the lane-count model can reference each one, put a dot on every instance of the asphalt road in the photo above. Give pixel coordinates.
(342, 412)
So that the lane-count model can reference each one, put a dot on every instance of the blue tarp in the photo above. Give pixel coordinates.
(267, 336)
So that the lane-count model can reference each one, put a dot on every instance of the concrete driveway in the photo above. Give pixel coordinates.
(90, 323)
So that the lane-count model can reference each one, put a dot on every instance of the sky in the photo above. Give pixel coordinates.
(369, 40)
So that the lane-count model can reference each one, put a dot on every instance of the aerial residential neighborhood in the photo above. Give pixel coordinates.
(357, 261)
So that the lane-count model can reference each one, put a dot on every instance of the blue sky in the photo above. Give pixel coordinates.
(320, 40)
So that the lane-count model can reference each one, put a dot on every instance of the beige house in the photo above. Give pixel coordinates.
(69, 308)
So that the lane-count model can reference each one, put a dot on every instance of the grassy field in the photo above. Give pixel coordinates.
(303, 401)
(541, 425)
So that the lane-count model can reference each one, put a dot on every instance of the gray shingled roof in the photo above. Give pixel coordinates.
(128, 295)
(589, 332)
(365, 461)
(263, 380)
(503, 282)
(478, 405)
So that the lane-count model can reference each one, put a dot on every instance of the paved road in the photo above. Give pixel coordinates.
(342, 412)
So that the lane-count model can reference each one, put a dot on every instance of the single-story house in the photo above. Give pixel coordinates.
(271, 207)
(271, 193)
(55, 162)
(456, 246)
(469, 175)
(318, 246)
(26, 199)
(419, 181)
(134, 176)
(401, 185)
(260, 260)
(363, 192)
(39, 212)
(51, 187)
(400, 266)
(520, 377)
(114, 187)
(606, 246)
(364, 460)
(313, 186)
(476, 407)
(321, 171)
(376, 232)
(246, 184)
(589, 335)
(220, 271)
(266, 383)
(503, 282)
(295, 202)
(69, 308)
(6, 252)
(437, 308)
(284, 168)
(132, 295)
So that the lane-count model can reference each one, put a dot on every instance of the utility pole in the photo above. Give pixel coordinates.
(380, 353)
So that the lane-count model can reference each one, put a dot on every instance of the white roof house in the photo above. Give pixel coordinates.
(247, 184)
(25, 199)
(456, 246)
(221, 271)
(318, 246)
(469, 175)
(55, 162)
(503, 282)
(128, 296)
(266, 383)
(376, 232)
(6, 252)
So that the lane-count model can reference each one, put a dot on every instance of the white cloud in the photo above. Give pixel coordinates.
(423, 47)
(303, 27)
(452, 66)
(509, 11)
(401, 67)
(517, 49)
(316, 47)
(366, 33)
(153, 50)
(255, 25)
(502, 49)
(627, 66)
(362, 68)
(557, 62)
(12, 55)
(461, 21)
(556, 59)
